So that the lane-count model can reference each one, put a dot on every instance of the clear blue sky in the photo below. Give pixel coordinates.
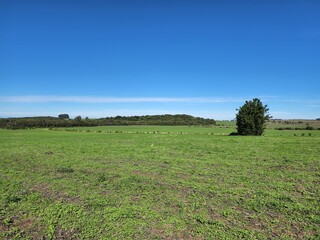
(204, 58)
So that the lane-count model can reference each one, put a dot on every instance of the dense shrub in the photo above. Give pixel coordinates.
(251, 118)
(64, 116)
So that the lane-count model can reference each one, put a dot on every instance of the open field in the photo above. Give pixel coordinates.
(274, 123)
(294, 124)
(152, 182)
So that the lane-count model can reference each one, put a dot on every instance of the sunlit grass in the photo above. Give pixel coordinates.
(158, 182)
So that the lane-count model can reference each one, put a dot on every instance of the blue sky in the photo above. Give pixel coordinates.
(204, 58)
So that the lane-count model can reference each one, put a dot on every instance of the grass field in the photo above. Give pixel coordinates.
(153, 182)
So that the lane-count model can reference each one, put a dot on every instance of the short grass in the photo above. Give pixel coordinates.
(153, 182)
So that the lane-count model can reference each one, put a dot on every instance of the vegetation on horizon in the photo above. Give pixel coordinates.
(64, 121)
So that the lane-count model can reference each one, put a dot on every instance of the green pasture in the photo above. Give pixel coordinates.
(156, 182)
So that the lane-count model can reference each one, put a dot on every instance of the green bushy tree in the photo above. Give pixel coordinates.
(252, 117)
(78, 118)
(64, 116)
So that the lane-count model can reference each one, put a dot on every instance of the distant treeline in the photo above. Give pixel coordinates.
(290, 128)
(51, 122)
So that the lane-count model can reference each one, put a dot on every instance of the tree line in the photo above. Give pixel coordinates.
(63, 120)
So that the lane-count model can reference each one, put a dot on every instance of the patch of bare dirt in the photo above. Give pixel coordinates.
(47, 192)
(146, 174)
(156, 232)
(26, 228)
(62, 234)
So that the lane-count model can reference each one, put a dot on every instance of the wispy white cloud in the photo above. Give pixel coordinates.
(85, 112)
(313, 105)
(92, 99)
(88, 99)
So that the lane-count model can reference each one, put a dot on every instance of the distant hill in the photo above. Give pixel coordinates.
(48, 122)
